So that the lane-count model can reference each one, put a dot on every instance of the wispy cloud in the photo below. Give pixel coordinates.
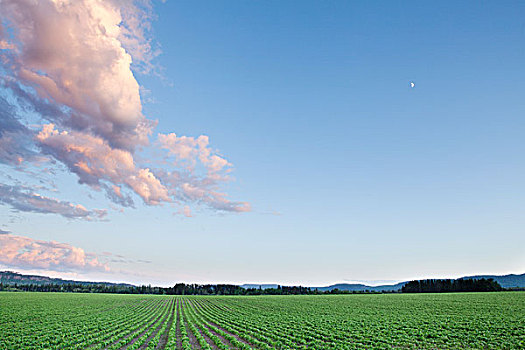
(27, 253)
(24, 199)
(69, 64)
(15, 138)
(202, 172)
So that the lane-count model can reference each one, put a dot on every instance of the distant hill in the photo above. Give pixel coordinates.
(506, 281)
(257, 286)
(361, 287)
(9, 277)
(340, 286)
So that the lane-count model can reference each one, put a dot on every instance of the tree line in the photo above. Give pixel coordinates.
(419, 286)
(448, 285)
(177, 289)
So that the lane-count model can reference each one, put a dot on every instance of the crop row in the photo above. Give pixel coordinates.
(53, 322)
(139, 322)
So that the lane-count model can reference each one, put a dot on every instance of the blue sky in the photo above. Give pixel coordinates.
(349, 172)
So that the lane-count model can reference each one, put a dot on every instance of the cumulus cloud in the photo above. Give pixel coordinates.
(190, 185)
(93, 160)
(23, 199)
(192, 150)
(70, 63)
(70, 53)
(28, 253)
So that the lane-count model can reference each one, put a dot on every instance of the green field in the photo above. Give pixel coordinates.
(99, 321)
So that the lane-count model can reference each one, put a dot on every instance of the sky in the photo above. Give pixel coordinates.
(262, 141)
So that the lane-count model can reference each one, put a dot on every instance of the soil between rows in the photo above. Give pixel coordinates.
(129, 335)
(193, 340)
(208, 339)
(239, 338)
(143, 346)
(178, 331)
(164, 338)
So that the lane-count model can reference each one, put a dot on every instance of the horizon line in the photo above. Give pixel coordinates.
(347, 282)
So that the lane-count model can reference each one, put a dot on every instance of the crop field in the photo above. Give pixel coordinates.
(104, 321)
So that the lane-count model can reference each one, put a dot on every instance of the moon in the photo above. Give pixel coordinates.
(412, 85)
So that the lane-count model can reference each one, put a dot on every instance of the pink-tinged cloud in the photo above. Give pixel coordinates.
(94, 161)
(198, 186)
(100, 166)
(27, 253)
(70, 52)
(26, 200)
(70, 63)
(189, 188)
(192, 150)
(186, 211)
